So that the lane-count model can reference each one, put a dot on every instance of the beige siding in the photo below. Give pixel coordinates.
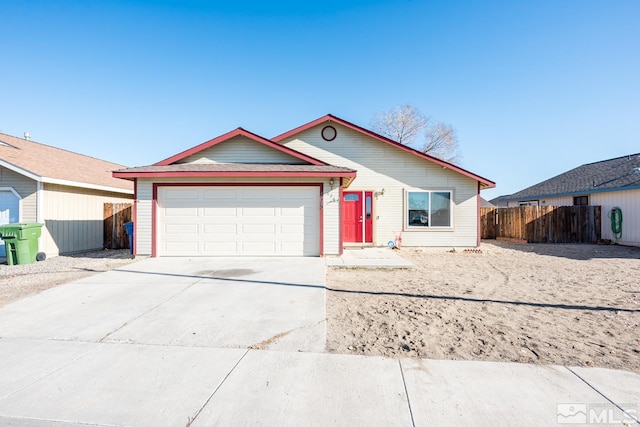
(142, 220)
(381, 166)
(241, 150)
(74, 218)
(330, 209)
(26, 188)
(629, 202)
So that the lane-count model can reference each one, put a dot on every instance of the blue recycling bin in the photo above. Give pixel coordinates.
(129, 227)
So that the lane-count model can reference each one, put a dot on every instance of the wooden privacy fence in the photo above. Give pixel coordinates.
(543, 224)
(115, 215)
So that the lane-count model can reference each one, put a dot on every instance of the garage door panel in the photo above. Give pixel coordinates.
(220, 194)
(180, 193)
(217, 211)
(259, 229)
(259, 194)
(219, 229)
(220, 248)
(180, 229)
(239, 221)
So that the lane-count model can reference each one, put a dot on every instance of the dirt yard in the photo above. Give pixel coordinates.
(18, 281)
(576, 305)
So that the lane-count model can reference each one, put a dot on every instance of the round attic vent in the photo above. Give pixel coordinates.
(329, 133)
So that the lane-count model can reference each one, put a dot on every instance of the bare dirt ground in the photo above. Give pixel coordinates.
(18, 281)
(576, 305)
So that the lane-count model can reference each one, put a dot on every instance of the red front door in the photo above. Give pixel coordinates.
(357, 218)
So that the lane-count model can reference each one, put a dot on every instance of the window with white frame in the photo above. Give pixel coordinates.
(430, 209)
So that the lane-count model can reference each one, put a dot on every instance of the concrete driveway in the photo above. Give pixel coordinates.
(264, 303)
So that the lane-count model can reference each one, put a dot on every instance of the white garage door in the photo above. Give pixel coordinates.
(253, 221)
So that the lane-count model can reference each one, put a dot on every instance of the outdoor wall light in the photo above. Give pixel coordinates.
(331, 183)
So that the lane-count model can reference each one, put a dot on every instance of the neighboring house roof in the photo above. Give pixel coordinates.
(239, 132)
(620, 173)
(486, 204)
(47, 164)
(500, 201)
(485, 183)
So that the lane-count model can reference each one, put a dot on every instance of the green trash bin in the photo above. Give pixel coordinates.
(21, 242)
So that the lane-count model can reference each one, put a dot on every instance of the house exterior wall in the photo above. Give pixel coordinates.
(74, 218)
(629, 202)
(26, 188)
(382, 166)
(330, 208)
(241, 150)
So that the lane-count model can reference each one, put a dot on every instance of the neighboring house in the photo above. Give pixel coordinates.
(608, 183)
(500, 201)
(66, 191)
(486, 204)
(309, 191)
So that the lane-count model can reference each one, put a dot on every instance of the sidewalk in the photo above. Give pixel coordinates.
(57, 383)
(373, 258)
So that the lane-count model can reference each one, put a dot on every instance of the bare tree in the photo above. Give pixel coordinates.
(406, 123)
(402, 123)
(441, 141)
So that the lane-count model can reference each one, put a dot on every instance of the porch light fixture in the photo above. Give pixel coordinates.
(331, 183)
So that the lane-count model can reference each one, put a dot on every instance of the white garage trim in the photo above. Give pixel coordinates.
(230, 219)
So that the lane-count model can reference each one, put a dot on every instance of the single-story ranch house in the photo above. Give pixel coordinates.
(310, 192)
(66, 191)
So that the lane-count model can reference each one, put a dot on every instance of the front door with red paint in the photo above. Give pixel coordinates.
(357, 218)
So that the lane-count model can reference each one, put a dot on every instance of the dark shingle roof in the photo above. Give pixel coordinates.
(613, 174)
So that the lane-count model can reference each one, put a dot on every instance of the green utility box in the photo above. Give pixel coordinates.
(21, 242)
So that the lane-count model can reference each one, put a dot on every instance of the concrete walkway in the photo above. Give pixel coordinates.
(372, 258)
(141, 346)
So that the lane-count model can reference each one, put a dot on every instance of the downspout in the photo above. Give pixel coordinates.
(479, 231)
(39, 214)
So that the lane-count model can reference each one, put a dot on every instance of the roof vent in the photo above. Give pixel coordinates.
(635, 171)
(27, 136)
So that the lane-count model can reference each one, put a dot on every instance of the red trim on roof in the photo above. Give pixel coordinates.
(281, 174)
(240, 132)
(332, 118)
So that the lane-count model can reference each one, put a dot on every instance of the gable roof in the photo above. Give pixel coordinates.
(485, 183)
(47, 164)
(620, 173)
(239, 132)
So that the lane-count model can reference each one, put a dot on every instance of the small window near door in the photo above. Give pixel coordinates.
(367, 207)
(581, 201)
(351, 197)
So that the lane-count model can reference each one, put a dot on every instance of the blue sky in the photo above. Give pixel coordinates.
(533, 88)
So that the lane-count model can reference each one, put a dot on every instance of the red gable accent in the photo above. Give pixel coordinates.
(331, 118)
(240, 132)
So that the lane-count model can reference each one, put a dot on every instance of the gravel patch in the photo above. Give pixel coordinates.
(19, 281)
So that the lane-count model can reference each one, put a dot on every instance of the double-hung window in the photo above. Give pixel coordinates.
(428, 209)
